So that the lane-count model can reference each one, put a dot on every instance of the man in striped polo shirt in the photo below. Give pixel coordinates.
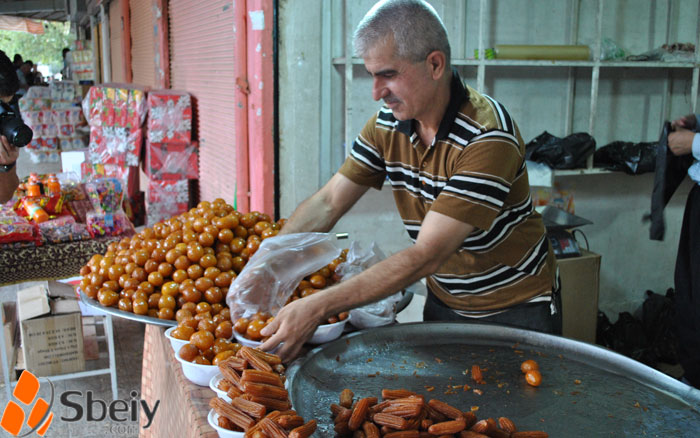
(456, 164)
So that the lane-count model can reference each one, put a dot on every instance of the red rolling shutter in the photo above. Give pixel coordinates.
(202, 63)
(116, 33)
(142, 43)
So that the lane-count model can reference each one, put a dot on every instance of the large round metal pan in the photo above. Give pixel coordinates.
(585, 391)
(122, 314)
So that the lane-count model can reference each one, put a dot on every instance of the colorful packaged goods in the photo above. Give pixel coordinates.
(63, 229)
(169, 117)
(114, 145)
(165, 199)
(107, 224)
(170, 161)
(115, 105)
(14, 228)
(105, 193)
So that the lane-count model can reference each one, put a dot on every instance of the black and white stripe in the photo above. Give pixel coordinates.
(415, 182)
(386, 119)
(478, 189)
(502, 115)
(500, 276)
(501, 227)
(366, 154)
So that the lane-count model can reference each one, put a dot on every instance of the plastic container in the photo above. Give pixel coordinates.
(213, 419)
(196, 373)
(174, 342)
(34, 210)
(33, 187)
(214, 385)
(53, 186)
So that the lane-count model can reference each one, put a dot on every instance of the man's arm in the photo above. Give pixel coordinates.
(8, 180)
(439, 237)
(322, 210)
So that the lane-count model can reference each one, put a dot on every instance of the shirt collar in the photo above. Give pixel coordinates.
(458, 95)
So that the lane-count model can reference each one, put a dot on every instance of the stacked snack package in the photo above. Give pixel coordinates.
(115, 113)
(52, 114)
(15, 228)
(67, 114)
(35, 107)
(82, 66)
(171, 156)
(165, 199)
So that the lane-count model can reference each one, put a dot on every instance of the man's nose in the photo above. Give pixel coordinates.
(379, 91)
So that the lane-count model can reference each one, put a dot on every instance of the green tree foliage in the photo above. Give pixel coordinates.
(40, 49)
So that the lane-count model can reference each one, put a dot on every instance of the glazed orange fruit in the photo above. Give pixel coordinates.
(529, 365)
(533, 378)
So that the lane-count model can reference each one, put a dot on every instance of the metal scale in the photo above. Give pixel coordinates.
(560, 226)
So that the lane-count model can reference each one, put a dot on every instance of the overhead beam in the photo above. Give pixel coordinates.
(32, 6)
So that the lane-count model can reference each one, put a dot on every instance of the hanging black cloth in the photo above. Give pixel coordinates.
(670, 172)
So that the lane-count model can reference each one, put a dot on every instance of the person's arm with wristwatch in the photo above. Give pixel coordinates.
(8, 171)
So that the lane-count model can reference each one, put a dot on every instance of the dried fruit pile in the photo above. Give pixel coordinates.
(190, 258)
(260, 406)
(406, 414)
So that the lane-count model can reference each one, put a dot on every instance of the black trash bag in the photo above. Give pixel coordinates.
(603, 332)
(569, 152)
(629, 339)
(631, 158)
(657, 320)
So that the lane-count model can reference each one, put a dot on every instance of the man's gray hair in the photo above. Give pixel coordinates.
(416, 27)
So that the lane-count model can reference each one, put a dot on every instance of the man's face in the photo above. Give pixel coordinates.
(26, 68)
(404, 86)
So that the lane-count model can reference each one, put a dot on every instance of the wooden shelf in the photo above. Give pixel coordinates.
(340, 61)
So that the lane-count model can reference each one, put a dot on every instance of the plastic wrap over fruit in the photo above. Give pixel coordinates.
(276, 268)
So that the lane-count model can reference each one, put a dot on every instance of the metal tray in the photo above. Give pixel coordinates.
(122, 314)
(585, 391)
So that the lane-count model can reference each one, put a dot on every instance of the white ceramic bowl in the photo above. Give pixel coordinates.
(175, 343)
(327, 332)
(245, 341)
(214, 385)
(213, 419)
(196, 373)
(324, 333)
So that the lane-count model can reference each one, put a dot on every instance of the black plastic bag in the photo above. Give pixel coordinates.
(657, 320)
(631, 158)
(569, 152)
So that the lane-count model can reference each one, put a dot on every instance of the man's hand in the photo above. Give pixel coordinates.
(293, 325)
(685, 122)
(680, 142)
(8, 153)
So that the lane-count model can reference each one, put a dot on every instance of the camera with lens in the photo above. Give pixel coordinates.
(13, 128)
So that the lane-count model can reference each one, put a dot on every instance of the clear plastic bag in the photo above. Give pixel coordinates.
(375, 314)
(171, 161)
(276, 268)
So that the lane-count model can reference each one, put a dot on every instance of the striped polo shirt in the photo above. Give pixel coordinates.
(473, 172)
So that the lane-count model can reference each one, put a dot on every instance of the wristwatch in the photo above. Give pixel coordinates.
(7, 167)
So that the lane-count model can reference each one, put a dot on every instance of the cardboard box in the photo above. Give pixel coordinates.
(50, 329)
(9, 324)
(580, 280)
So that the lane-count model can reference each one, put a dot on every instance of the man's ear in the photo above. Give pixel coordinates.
(436, 62)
